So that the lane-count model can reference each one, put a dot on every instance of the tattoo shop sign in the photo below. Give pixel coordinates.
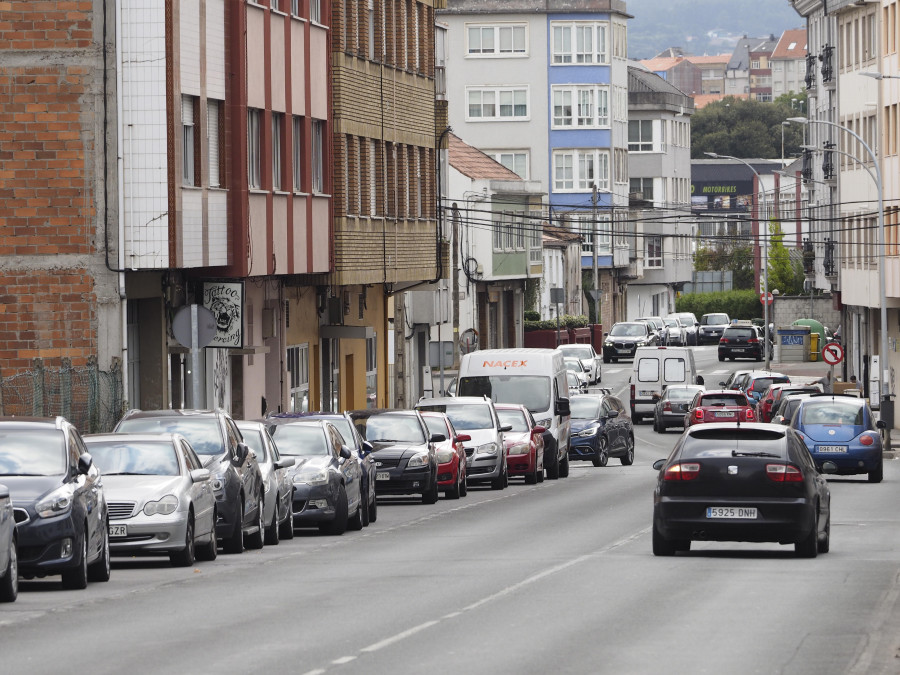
(226, 301)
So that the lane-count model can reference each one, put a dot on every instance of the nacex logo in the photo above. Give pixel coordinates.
(504, 364)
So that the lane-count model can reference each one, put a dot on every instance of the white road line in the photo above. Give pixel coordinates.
(344, 659)
(399, 636)
(317, 671)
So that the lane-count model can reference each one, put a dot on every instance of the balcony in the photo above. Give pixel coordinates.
(810, 79)
(827, 59)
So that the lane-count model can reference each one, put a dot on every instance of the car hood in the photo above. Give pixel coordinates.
(579, 424)
(479, 436)
(512, 438)
(139, 488)
(210, 461)
(828, 433)
(25, 489)
(389, 450)
(627, 338)
(312, 462)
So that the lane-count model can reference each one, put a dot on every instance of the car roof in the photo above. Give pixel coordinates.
(719, 392)
(142, 437)
(35, 422)
(454, 400)
(737, 427)
(171, 412)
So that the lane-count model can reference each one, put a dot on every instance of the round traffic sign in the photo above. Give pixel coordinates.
(766, 298)
(832, 353)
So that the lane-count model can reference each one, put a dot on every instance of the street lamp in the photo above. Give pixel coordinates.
(765, 219)
(886, 409)
(783, 125)
(880, 76)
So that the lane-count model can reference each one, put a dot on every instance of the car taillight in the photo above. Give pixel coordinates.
(667, 406)
(683, 471)
(698, 414)
(752, 341)
(632, 392)
(748, 415)
(784, 473)
(723, 341)
(866, 439)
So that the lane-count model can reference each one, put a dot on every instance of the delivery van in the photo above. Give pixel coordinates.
(535, 378)
(654, 369)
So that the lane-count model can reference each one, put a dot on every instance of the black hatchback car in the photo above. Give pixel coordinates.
(62, 522)
(741, 342)
(741, 482)
(236, 477)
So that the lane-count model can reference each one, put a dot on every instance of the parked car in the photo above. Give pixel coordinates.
(601, 428)
(327, 479)
(590, 359)
(673, 405)
(360, 448)
(405, 451)
(159, 496)
(450, 453)
(524, 442)
(711, 327)
(689, 324)
(741, 482)
(771, 396)
(719, 405)
(9, 552)
(757, 381)
(744, 342)
(276, 478)
(656, 325)
(624, 337)
(59, 503)
(486, 451)
(234, 471)
(574, 365)
(575, 384)
(787, 406)
(673, 333)
(735, 379)
(842, 430)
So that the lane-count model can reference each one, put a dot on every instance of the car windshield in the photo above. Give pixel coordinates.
(685, 321)
(723, 399)
(465, 417)
(671, 323)
(579, 352)
(393, 429)
(253, 439)
(587, 408)
(436, 425)
(681, 393)
(134, 458)
(532, 391)
(629, 329)
(300, 440)
(574, 365)
(514, 418)
(832, 412)
(203, 433)
(32, 452)
(714, 319)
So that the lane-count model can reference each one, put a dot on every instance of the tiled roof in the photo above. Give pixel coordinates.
(701, 100)
(714, 58)
(662, 63)
(473, 163)
(792, 45)
(560, 233)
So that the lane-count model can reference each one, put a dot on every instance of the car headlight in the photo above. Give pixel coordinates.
(311, 476)
(444, 456)
(163, 507)
(544, 422)
(607, 343)
(57, 503)
(642, 343)
(218, 484)
(419, 459)
(520, 449)
(590, 431)
(487, 449)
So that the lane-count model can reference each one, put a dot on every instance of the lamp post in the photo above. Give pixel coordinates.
(886, 405)
(783, 125)
(765, 219)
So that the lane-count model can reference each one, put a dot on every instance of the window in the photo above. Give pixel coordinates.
(298, 372)
(579, 170)
(253, 141)
(273, 4)
(295, 7)
(579, 42)
(502, 40)
(318, 156)
(188, 138)
(586, 225)
(580, 106)
(213, 134)
(315, 10)
(277, 125)
(640, 135)
(497, 103)
(297, 141)
(514, 161)
(642, 186)
(653, 257)
(371, 372)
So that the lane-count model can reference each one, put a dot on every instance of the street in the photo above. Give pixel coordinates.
(556, 577)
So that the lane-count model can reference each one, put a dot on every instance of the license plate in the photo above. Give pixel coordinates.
(118, 530)
(724, 414)
(831, 448)
(738, 350)
(624, 351)
(383, 475)
(744, 512)
(646, 393)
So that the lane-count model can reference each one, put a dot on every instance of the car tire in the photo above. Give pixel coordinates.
(355, 522)
(210, 551)
(338, 525)
(605, 359)
(721, 358)
(808, 547)
(532, 478)
(100, 569)
(257, 539)
(455, 492)
(235, 542)
(877, 474)
(564, 467)
(186, 556)
(373, 508)
(364, 507)
(273, 536)
(553, 468)
(628, 458)
(76, 578)
(656, 426)
(602, 456)
(430, 496)
(824, 544)
(497, 483)
(286, 529)
(9, 584)
(661, 545)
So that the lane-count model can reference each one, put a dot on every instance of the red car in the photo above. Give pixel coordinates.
(451, 455)
(773, 394)
(524, 442)
(721, 405)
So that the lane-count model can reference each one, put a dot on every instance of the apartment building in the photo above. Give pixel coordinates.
(760, 72)
(788, 63)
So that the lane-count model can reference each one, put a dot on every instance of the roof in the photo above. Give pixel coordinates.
(722, 59)
(792, 45)
(473, 163)
(702, 100)
(643, 80)
(561, 233)
(663, 63)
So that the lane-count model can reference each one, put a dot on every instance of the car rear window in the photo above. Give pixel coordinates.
(740, 333)
(763, 383)
(723, 399)
(714, 319)
(832, 412)
(679, 394)
(722, 442)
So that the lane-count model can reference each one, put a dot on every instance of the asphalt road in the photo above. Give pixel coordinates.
(557, 577)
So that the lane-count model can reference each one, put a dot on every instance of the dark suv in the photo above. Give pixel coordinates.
(236, 477)
(741, 342)
(711, 328)
(624, 338)
(62, 522)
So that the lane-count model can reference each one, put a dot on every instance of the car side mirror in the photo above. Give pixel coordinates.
(880, 424)
(701, 381)
(85, 462)
(367, 448)
(658, 464)
(612, 413)
(285, 462)
(829, 467)
(562, 408)
(463, 438)
(437, 438)
(243, 451)
(506, 427)
(539, 429)
(722, 384)
(199, 475)
(345, 452)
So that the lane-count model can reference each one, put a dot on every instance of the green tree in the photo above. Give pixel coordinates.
(727, 255)
(747, 128)
(784, 274)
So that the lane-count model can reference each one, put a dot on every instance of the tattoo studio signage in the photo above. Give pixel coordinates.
(225, 300)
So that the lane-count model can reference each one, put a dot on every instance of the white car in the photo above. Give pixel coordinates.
(590, 359)
(574, 365)
(673, 334)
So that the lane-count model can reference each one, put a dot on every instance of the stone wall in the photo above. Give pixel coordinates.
(787, 309)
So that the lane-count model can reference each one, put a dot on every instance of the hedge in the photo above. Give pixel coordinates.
(736, 304)
(565, 321)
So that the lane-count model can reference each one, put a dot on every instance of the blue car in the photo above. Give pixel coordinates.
(600, 428)
(841, 429)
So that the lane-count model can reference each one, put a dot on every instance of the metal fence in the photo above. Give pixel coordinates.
(90, 398)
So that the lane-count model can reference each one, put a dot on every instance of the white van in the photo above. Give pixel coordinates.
(655, 368)
(535, 378)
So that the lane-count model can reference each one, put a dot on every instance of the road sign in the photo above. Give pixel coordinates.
(832, 354)
(766, 298)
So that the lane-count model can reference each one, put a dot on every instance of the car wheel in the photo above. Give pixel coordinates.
(258, 539)
(211, 550)
(808, 547)
(273, 536)
(602, 456)
(235, 542)
(656, 426)
(9, 584)
(498, 482)
(628, 458)
(682, 545)
(553, 468)
(355, 522)
(605, 359)
(532, 478)
(564, 467)
(464, 486)
(614, 360)
(338, 525)
(430, 496)
(100, 569)
(364, 506)
(185, 557)
(721, 358)
(287, 527)
(825, 541)
(455, 491)
(76, 578)
(877, 474)
(661, 545)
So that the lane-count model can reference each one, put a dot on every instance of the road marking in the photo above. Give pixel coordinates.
(720, 372)
(613, 371)
(344, 659)
(399, 636)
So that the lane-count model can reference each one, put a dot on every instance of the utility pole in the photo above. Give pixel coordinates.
(454, 282)
(594, 244)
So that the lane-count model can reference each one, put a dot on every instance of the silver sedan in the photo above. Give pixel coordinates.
(279, 488)
(159, 495)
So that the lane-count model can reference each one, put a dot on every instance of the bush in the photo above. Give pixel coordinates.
(565, 321)
(531, 315)
(736, 304)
